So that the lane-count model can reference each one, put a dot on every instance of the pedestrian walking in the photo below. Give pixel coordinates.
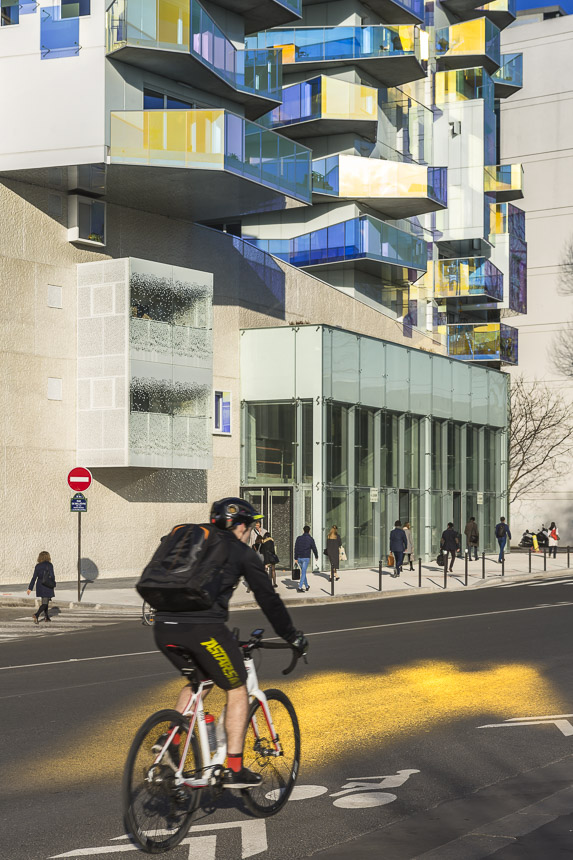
(45, 581)
(398, 545)
(502, 533)
(553, 538)
(333, 544)
(409, 545)
(450, 544)
(270, 558)
(257, 534)
(303, 547)
(471, 532)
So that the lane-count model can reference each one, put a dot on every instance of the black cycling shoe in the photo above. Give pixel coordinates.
(243, 779)
(171, 755)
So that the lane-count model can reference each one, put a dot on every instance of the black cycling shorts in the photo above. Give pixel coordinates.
(215, 651)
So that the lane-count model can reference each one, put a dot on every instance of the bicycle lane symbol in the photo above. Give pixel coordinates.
(358, 792)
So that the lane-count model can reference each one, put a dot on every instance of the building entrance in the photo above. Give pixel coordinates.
(276, 506)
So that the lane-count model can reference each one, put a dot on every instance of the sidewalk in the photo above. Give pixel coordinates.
(353, 584)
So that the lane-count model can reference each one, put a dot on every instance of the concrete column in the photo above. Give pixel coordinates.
(377, 483)
(425, 488)
(349, 539)
(318, 472)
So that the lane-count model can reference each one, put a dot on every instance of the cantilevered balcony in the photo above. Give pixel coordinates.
(324, 106)
(182, 42)
(263, 14)
(394, 188)
(487, 342)
(509, 253)
(504, 181)
(364, 243)
(203, 164)
(509, 77)
(461, 8)
(502, 13)
(396, 11)
(392, 55)
(458, 85)
(469, 43)
(468, 280)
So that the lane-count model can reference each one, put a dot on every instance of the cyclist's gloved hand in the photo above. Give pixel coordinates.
(299, 642)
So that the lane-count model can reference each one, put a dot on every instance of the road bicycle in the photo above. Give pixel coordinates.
(147, 614)
(163, 789)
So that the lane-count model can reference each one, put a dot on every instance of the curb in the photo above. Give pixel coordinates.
(70, 604)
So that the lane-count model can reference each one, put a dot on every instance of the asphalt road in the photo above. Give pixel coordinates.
(396, 762)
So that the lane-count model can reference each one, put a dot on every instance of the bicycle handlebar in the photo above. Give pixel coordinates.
(296, 655)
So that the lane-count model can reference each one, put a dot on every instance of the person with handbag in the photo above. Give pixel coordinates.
(270, 557)
(303, 547)
(450, 545)
(398, 546)
(472, 537)
(409, 545)
(45, 581)
(552, 539)
(333, 547)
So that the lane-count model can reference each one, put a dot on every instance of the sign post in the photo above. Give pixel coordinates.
(79, 479)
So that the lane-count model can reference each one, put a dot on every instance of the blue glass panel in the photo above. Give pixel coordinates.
(517, 274)
(28, 7)
(176, 104)
(352, 241)
(74, 8)
(301, 250)
(336, 242)
(318, 246)
(58, 38)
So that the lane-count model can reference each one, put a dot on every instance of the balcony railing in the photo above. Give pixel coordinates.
(505, 181)
(505, 218)
(320, 44)
(160, 435)
(458, 85)
(487, 342)
(500, 12)
(475, 42)
(171, 341)
(358, 238)
(509, 77)
(468, 278)
(185, 27)
(323, 98)
(358, 178)
(211, 140)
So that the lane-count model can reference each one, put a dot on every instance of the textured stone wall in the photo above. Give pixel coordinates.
(129, 508)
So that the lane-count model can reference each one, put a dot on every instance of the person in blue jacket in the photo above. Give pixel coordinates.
(502, 533)
(303, 547)
(43, 576)
(398, 546)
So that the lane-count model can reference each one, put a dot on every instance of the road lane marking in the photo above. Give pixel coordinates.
(560, 721)
(317, 633)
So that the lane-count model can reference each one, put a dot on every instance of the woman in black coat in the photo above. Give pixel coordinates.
(333, 544)
(43, 570)
(268, 552)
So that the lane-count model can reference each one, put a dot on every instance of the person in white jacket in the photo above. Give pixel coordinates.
(553, 538)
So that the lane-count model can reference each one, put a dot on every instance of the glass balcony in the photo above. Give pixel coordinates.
(399, 11)
(391, 54)
(458, 85)
(509, 77)
(504, 181)
(325, 106)
(211, 140)
(397, 189)
(180, 40)
(263, 14)
(155, 340)
(506, 218)
(359, 238)
(502, 13)
(509, 251)
(487, 342)
(469, 43)
(470, 278)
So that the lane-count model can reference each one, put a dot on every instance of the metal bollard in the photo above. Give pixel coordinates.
(446, 573)
(380, 575)
(483, 565)
(544, 558)
(331, 582)
(419, 573)
(568, 555)
(503, 564)
(530, 559)
(466, 570)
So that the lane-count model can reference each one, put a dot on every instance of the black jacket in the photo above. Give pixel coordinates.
(304, 546)
(267, 550)
(41, 589)
(398, 540)
(241, 561)
(450, 540)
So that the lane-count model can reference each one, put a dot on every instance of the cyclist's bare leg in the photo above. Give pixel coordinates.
(236, 719)
(185, 697)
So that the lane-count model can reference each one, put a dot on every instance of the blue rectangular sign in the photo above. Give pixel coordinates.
(78, 504)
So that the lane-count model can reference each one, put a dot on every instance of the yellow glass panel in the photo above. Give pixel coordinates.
(408, 37)
(127, 137)
(343, 100)
(468, 37)
(288, 53)
(173, 22)
(368, 177)
(205, 137)
(176, 138)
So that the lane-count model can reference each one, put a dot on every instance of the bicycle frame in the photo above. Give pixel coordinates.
(196, 713)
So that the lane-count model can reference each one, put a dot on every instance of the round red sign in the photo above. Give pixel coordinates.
(79, 479)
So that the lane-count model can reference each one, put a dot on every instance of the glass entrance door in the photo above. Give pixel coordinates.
(276, 506)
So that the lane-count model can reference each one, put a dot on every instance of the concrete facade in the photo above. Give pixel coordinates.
(544, 108)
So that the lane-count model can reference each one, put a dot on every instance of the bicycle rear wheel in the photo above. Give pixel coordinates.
(279, 773)
(157, 813)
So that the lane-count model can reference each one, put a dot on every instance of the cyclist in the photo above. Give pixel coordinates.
(216, 653)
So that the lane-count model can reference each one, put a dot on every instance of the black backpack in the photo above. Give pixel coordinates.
(48, 578)
(186, 570)
(500, 530)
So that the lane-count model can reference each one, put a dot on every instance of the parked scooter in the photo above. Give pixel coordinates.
(528, 539)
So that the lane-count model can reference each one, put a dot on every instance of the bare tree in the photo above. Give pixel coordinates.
(540, 435)
(562, 347)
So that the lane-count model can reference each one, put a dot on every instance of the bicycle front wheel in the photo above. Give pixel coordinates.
(279, 772)
(157, 812)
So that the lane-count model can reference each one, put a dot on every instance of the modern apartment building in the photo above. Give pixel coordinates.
(543, 107)
(256, 246)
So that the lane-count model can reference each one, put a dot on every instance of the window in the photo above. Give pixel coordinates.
(270, 442)
(54, 296)
(389, 449)
(86, 220)
(222, 413)
(364, 447)
(9, 14)
(411, 452)
(54, 388)
(307, 448)
(337, 448)
(75, 8)
(152, 100)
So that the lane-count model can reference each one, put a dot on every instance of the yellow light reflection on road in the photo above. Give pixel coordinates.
(390, 705)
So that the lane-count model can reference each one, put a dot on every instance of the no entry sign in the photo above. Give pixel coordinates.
(79, 479)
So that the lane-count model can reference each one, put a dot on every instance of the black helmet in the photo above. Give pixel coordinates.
(227, 513)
